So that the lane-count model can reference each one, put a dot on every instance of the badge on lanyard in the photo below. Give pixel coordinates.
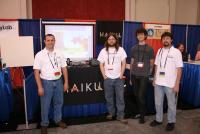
(54, 64)
(140, 64)
(162, 73)
(110, 67)
(57, 73)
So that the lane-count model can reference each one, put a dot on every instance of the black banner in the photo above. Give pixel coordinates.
(85, 86)
(103, 28)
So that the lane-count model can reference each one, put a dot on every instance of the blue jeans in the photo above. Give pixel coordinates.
(114, 89)
(53, 92)
(159, 93)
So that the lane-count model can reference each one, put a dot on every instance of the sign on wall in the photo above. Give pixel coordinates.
(156, 30)
(9, 28)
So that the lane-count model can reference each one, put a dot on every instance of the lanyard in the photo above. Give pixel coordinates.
(161, 52)
(55, 60)
(142, 54)
(113, 57)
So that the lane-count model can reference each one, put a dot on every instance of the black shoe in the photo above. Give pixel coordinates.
(43, 130)
(62, 124)
(141, 120)
(137, 116)
(170, 126)
(155, 123)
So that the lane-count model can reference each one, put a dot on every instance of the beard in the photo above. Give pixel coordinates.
(112, 45)
(166, 44)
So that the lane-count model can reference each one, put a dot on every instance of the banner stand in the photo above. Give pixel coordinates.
(26, 125)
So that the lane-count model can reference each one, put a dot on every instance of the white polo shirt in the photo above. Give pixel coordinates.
(167, 61)
(49, 63)
(112, 59)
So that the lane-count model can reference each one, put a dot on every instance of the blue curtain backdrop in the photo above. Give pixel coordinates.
(193, 39)
(179, 34)
(30, 28)
(32, 97)
(129, 38)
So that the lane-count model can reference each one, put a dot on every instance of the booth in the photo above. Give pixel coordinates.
(86, 97)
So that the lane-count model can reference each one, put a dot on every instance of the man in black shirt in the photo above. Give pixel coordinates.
(142, 61)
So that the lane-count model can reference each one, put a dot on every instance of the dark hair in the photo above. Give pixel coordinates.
(179, 44)
(49, 35)
(167, 34)
(198, 47)
(141, 30)
(116, 44)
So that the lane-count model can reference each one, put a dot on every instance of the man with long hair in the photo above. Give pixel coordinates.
(112, 60)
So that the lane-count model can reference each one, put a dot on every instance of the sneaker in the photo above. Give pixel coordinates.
(62, 124)
(43, 130)
(109, 117)
(137, 116)
(170, 126)
(155, 123)
(141, 120)
(123, 121)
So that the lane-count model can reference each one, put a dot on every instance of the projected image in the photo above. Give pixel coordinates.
(75, 41)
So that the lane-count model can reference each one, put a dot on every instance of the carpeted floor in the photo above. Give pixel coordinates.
(188, 122)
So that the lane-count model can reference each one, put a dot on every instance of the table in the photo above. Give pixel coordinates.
(190, 84)
(189, 93)
(85, 86)
(86, 95)
(75, 104)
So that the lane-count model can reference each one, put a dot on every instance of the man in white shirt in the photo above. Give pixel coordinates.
(112, 60)
(168, 70)
(49, 65)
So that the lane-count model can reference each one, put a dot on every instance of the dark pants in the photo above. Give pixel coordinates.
(140, 88)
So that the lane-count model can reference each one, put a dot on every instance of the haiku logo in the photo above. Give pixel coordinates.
(74, 88)
(86, 87)
(105, 34)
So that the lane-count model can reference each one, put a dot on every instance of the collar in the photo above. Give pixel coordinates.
(46, 51)
(142, 43)
(168, 48)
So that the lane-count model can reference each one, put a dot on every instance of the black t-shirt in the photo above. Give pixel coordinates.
(142, 54)
(184, 56)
